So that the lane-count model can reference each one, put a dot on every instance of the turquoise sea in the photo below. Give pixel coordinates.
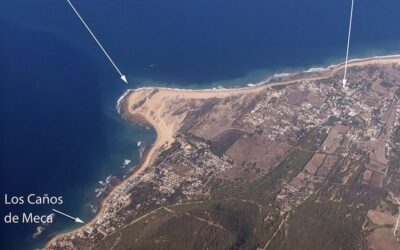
(59, 131)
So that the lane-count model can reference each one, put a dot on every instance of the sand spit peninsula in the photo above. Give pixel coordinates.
(266, 150)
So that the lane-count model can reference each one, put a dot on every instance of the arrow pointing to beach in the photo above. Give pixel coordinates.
(122, 76)
(348, 45)
(77, 220)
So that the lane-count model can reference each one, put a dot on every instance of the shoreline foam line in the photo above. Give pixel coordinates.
(270, 79)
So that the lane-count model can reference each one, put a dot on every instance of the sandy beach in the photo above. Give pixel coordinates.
(153, 111)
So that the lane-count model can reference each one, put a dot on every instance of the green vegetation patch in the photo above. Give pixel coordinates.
(224, 224)
(326, 225)
(166, 230)
(236, 216)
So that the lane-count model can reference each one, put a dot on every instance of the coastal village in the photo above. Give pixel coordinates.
(270, 150)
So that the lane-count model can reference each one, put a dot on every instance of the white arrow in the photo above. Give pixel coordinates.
(77, 220)
(122, 76)
(348, 45)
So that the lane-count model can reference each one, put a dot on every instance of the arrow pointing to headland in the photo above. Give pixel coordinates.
(122, 76)
(348, 45)
(77, 220)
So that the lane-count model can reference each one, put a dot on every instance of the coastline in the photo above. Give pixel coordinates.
(165, 133)
(282, 77)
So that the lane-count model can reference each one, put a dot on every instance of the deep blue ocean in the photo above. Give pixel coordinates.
(59, 130)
